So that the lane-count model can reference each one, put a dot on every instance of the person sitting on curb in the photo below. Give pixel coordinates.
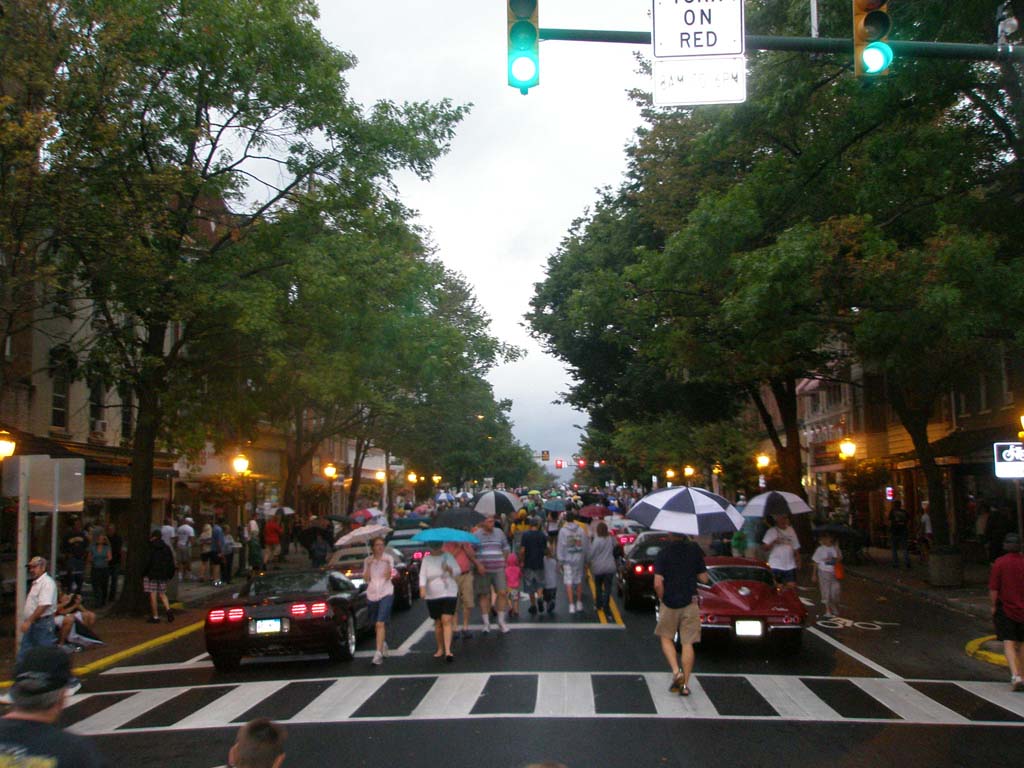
(158, 571)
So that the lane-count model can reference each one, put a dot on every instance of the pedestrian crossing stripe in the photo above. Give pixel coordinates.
(371, 698)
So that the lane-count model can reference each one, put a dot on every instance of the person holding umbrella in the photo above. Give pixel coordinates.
(378, 570)
(783, 550)
(440, 590)
(677, 569)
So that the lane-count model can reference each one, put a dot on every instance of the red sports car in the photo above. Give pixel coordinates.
(743, 602)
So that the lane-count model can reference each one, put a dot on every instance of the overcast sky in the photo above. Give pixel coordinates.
(521, 168)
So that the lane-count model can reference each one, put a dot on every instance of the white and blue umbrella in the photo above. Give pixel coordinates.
(776, 503)
(491, 503)
(692, 511)
(445, 534)
(444, 496)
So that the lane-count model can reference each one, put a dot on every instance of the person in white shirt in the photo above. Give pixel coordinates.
(183, 537)
(37, 627)
(825, 558)
(783, 551)
(440, 590)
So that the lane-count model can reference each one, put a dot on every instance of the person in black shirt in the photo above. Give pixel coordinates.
(29, 735)
(532, 547)
(677, 569)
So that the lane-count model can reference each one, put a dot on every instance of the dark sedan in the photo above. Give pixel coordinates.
(287, 613)
(636, 572)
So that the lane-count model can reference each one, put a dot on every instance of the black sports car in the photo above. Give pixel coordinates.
(636, 571)
(286, 613)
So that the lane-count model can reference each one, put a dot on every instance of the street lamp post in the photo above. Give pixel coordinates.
(763, 460)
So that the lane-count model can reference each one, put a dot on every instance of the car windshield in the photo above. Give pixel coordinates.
(649, 550)
(280, 583)
(739, 573)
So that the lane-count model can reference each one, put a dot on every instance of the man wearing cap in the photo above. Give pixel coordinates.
(1006, 591)
(37, 627)
(29, 735)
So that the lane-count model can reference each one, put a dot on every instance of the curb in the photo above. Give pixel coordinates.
(974, 649)
(114, 658)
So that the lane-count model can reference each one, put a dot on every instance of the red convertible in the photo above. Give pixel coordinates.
(743, 602)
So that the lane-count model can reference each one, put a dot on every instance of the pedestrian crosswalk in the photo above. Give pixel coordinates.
(546, 694)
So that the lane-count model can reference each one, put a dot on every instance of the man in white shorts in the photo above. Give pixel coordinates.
(572, 558)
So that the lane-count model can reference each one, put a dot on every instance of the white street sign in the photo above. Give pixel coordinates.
(711, 80)
(697, 28)
(1009, 458)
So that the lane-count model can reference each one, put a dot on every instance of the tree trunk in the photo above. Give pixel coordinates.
(136, 529)
(357, 472)
(787, 453)
(915, 421)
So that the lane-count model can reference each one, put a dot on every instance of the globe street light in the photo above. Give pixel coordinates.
(240, 464)
(412, 477)
(330, 470)
(763, 460)
(670, 473)
(7, 444)
(435, 479)
(847, 449)
(380, 476)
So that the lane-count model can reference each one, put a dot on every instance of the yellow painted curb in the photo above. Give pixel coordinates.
(975, 650)
(114, 658)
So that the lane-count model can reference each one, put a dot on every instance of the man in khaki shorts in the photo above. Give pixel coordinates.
(677, 569)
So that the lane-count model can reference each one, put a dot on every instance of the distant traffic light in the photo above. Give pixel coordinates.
(581, 463)
(545, 455)
(559, 464)
(871, 26)
(523, 45)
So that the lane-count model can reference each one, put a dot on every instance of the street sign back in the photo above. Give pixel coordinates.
(697, 28)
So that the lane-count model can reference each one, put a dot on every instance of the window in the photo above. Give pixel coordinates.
(59, 400)
(97, 403)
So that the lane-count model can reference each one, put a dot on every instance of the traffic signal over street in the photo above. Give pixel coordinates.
(545, 455)
(871, 26)
(523, 44)
(559, 464)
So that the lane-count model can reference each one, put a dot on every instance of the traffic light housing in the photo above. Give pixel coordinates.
(523, 45)
(559, 464)
(581, 463)
(545, 455)
(871, 26)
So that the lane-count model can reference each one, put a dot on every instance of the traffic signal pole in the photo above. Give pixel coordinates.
(901, 48)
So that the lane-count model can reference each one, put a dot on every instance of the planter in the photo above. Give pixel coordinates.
(946, 568)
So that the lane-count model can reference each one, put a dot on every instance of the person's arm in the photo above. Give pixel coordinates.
(703, 577)
(36, 614)
(659, 586)
(423, 579)
(993, 597)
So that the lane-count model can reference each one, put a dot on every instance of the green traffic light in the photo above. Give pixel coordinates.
(876, 58)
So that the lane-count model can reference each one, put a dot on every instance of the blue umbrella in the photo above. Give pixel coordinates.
(445, 534)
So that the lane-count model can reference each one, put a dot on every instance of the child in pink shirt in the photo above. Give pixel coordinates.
(513, 577)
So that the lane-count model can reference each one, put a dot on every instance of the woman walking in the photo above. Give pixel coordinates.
(440, 589)
(378, 570)
(602, 566)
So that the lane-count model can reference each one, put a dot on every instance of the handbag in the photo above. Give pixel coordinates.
(840, 571)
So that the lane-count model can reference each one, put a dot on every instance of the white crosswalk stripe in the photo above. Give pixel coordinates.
(558, 694)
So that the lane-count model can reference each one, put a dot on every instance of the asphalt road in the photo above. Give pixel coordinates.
(890, 683)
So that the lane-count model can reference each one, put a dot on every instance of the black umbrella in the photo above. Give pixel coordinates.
(339, 518)
(458, 517)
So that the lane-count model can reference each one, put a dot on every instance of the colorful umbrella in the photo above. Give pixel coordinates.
(361, 535)
(445, 534)
(491, 503)
(692, 511)
(594, 510)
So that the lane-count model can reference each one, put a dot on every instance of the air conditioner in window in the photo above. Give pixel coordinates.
(99, 426)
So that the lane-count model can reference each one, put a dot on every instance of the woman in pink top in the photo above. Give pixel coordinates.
(513, 576)
(465, 556)
(378, 570)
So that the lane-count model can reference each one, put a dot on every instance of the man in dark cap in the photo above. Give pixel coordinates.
(29, 734)
(1006, 591)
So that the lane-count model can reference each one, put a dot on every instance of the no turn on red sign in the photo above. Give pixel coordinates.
(697, 28)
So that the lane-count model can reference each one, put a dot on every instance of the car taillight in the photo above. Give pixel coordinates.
(417, 555)
(650, 569)
(638, 569)
(236, 614)
(709, 618)
(318, 609)
(298, 609)
(790, 619)
(216, 615)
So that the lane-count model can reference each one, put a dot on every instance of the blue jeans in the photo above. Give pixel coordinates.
(42, 632)
(603, 590)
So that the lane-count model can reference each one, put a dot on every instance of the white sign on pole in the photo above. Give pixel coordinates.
(1009, 459)
(697, 28)
(711, 80)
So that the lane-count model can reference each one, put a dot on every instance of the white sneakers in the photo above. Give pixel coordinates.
(572, 607)
(386, 649)
(378, 658)
(579, 606)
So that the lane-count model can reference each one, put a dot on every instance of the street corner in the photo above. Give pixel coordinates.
(987, 649)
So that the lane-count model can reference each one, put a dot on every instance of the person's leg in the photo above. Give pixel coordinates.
(167, 606)
(668, 649)
(688, 657)
(1018, 654)
(154, 614)
(438, 638)
(100, 585)
(484, 598)
(380, 632)
(115, 573)
(895, 543)
(64, 630)
(446, 632)
(1012, 649)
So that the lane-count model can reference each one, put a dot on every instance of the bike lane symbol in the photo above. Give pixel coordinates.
(837, 622)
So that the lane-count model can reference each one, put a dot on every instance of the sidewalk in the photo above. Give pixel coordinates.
(125, 636)
(971, 598)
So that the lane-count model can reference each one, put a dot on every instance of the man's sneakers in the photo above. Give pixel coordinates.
(1016, 684)
(579, 606)
(677, 683)
(572, 607)
(378, 659)
(153, 620)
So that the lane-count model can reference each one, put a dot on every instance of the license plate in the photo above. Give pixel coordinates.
(749, 629)
(268, 626)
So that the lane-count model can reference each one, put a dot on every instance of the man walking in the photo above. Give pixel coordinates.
(1006, 591)
(183, 538)
(677, 569)
(29, 734)
(490, 573)
(117, 550)
(531, 554)
(37, 627)
(572, 558)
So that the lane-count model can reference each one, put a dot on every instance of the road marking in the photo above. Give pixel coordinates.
(340, 700)
(451, 696)
(853, 654)
(998, 693)
(975, 650)
(126, 710)
(908, 702)
(565, 694)
(791, 698)
(672, 704)
(230, 706)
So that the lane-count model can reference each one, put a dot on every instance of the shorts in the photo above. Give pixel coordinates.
(784, 577)
(482, 582)
(153, 586)
(533, 580)
(183, 555)
(441, 606)
(549, 594)
(466, 594)
(208, 557)
(572, 573)
(1007, 628)
(379, 611)
(685, 621)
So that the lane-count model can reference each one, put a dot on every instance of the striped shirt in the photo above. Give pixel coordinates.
(494, 550)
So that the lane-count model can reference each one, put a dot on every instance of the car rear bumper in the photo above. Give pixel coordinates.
(302, 636)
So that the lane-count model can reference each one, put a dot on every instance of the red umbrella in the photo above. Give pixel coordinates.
(594, 510)
(364, 514)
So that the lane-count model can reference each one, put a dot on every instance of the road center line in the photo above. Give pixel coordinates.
(854, 655)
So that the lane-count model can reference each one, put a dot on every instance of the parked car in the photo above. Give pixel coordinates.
(312, 611)
(635, 577)
(624, 530)
(349, 562)
(743, 602)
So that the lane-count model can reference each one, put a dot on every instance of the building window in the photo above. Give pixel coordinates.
(97, 406)
(59, 400)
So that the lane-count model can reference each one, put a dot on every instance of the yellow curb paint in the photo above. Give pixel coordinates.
(114, 658)
(975, 650)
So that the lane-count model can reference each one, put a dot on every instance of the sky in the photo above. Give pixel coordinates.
(520, 169)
